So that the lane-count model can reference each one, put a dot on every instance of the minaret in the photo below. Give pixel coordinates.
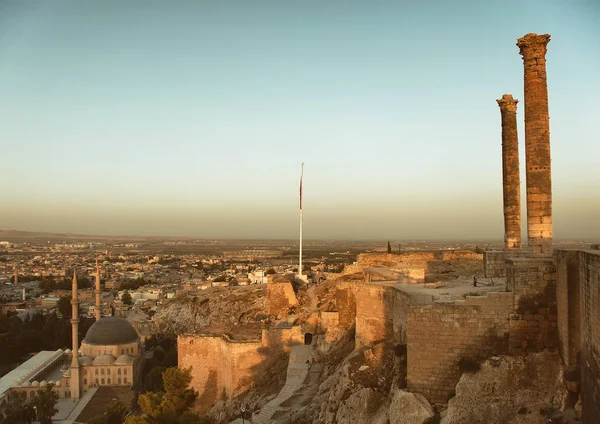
(16, 275)
(98, 308)
(75, 328)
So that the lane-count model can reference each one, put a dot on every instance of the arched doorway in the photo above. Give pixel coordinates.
(308, 338)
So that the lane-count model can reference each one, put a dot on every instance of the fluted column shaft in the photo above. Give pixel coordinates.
(537, 144)
(511, 180)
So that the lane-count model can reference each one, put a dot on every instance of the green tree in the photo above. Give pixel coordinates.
(17, 410)
(171, 406)
(114, 414)
(45, 403)
(153, 381)
(64, 306)
(126, 298)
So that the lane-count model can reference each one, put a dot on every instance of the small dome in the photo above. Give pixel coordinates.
(104, 360)
(60, 351)
(43, 383)
(111, 331)
(85, 360)
(35, 384)
(26, 384)
(57, 383)
(124, 360)
(67, 350)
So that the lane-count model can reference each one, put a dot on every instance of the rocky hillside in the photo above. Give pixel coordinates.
(219, 310)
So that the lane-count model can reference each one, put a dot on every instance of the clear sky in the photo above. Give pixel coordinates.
(191, 118)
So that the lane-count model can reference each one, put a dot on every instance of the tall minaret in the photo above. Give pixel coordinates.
(75, 327)
(98, 307)
(16, 275)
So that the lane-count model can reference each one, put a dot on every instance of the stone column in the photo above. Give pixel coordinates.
(511, 180)
(537, 144)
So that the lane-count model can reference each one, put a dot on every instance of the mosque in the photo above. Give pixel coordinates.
(111, 354)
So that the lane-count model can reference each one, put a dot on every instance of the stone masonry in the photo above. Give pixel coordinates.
(537, 144)
(511, 181)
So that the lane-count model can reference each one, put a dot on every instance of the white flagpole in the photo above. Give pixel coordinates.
(300, 259)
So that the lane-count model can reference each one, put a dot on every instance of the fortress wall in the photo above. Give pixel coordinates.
(533, 325)
(417, 257)
(280, 298)
(590, 335)
(345, 300)
(219, 367)
(441, 334)
(328, 321)
(568, 306)
(380, 315)
(374, 314)
(282, 338)
(494, 263)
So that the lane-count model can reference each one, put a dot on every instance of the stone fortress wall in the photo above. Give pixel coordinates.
(440, 335)
(578, 296)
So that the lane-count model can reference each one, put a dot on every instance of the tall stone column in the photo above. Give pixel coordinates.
(511, 180)
(537, 144)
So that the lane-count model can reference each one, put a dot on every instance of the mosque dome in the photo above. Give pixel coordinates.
(124, 360)
(111, 331)
(85, 360)
(104, 360)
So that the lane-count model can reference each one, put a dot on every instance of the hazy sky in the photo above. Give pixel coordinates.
(191, 118)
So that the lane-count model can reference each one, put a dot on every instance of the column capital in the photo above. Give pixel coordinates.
(532, 45)
(507, 103)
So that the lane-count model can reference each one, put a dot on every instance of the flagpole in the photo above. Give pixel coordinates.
(300, 258)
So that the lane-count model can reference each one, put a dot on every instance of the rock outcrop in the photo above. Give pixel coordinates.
(409, 408)
(507, 390)
(218, 310)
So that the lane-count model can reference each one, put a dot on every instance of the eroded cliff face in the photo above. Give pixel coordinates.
(509, 390)
(216, 310)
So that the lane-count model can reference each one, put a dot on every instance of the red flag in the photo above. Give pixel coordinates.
(301, 175)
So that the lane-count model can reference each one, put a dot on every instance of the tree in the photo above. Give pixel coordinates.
(153, 381)
(270, 271)
(45, 402)
(114, 414)
(389, 250)
(126, 298)
(64, 306)
(17, 410)
(171, 406)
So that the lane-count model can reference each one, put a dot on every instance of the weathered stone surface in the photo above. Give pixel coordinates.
(511, 180)
(537, 143)
(409, 408)
(218, 308)
(363, 407)
(501, 388)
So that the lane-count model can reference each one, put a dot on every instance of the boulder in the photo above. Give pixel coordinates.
(363, 407)
(502, 391)
(409, 408)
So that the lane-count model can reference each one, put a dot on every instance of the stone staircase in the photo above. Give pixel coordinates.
(296, 374)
